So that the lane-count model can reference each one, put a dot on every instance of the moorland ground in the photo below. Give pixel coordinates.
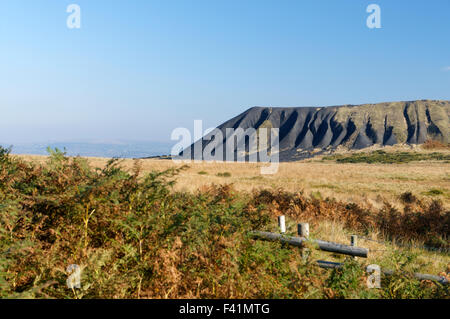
(156, 229)
(360, 182)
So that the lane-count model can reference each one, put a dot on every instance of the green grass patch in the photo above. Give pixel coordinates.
(256, 178)
(434, 192)
(224, 174)
(387, 157)
(329, 186)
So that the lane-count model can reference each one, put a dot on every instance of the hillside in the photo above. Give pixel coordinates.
(307, 130)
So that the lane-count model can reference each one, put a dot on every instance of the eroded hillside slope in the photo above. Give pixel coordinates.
(303, 129)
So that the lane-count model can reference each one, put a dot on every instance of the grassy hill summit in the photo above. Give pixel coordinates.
(306, 129)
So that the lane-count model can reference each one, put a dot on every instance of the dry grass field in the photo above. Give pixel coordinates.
(349, 182)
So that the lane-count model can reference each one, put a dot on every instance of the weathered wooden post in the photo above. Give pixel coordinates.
(354, 242)
(303, 230)
(282, 224)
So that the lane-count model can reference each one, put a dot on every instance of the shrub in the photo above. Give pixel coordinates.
(408, 198)
(346, 281)
(421, 220)
(433, 144)
(224, 174)
(402, 284)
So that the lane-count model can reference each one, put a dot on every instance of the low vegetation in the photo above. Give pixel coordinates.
(434, 192)
(136, 236)
(383, 157)
(433, 145)
(224, 174)
(359, 183)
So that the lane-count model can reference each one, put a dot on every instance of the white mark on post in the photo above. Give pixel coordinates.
(282, 224)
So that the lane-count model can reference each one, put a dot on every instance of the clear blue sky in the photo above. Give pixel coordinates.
(139, 69)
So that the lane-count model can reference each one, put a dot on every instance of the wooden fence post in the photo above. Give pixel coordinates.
(303, 230)
(282, 224)
(354, 242)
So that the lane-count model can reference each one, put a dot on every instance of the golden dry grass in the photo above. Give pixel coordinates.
(361, 183)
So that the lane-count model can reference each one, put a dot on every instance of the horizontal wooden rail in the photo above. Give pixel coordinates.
(323, 245)
(387, 272)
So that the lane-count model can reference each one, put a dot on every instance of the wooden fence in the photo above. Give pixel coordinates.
(321, 244)
(351, 250)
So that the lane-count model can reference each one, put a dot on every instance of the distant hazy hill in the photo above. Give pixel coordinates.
(352, 126)
(96, 149)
